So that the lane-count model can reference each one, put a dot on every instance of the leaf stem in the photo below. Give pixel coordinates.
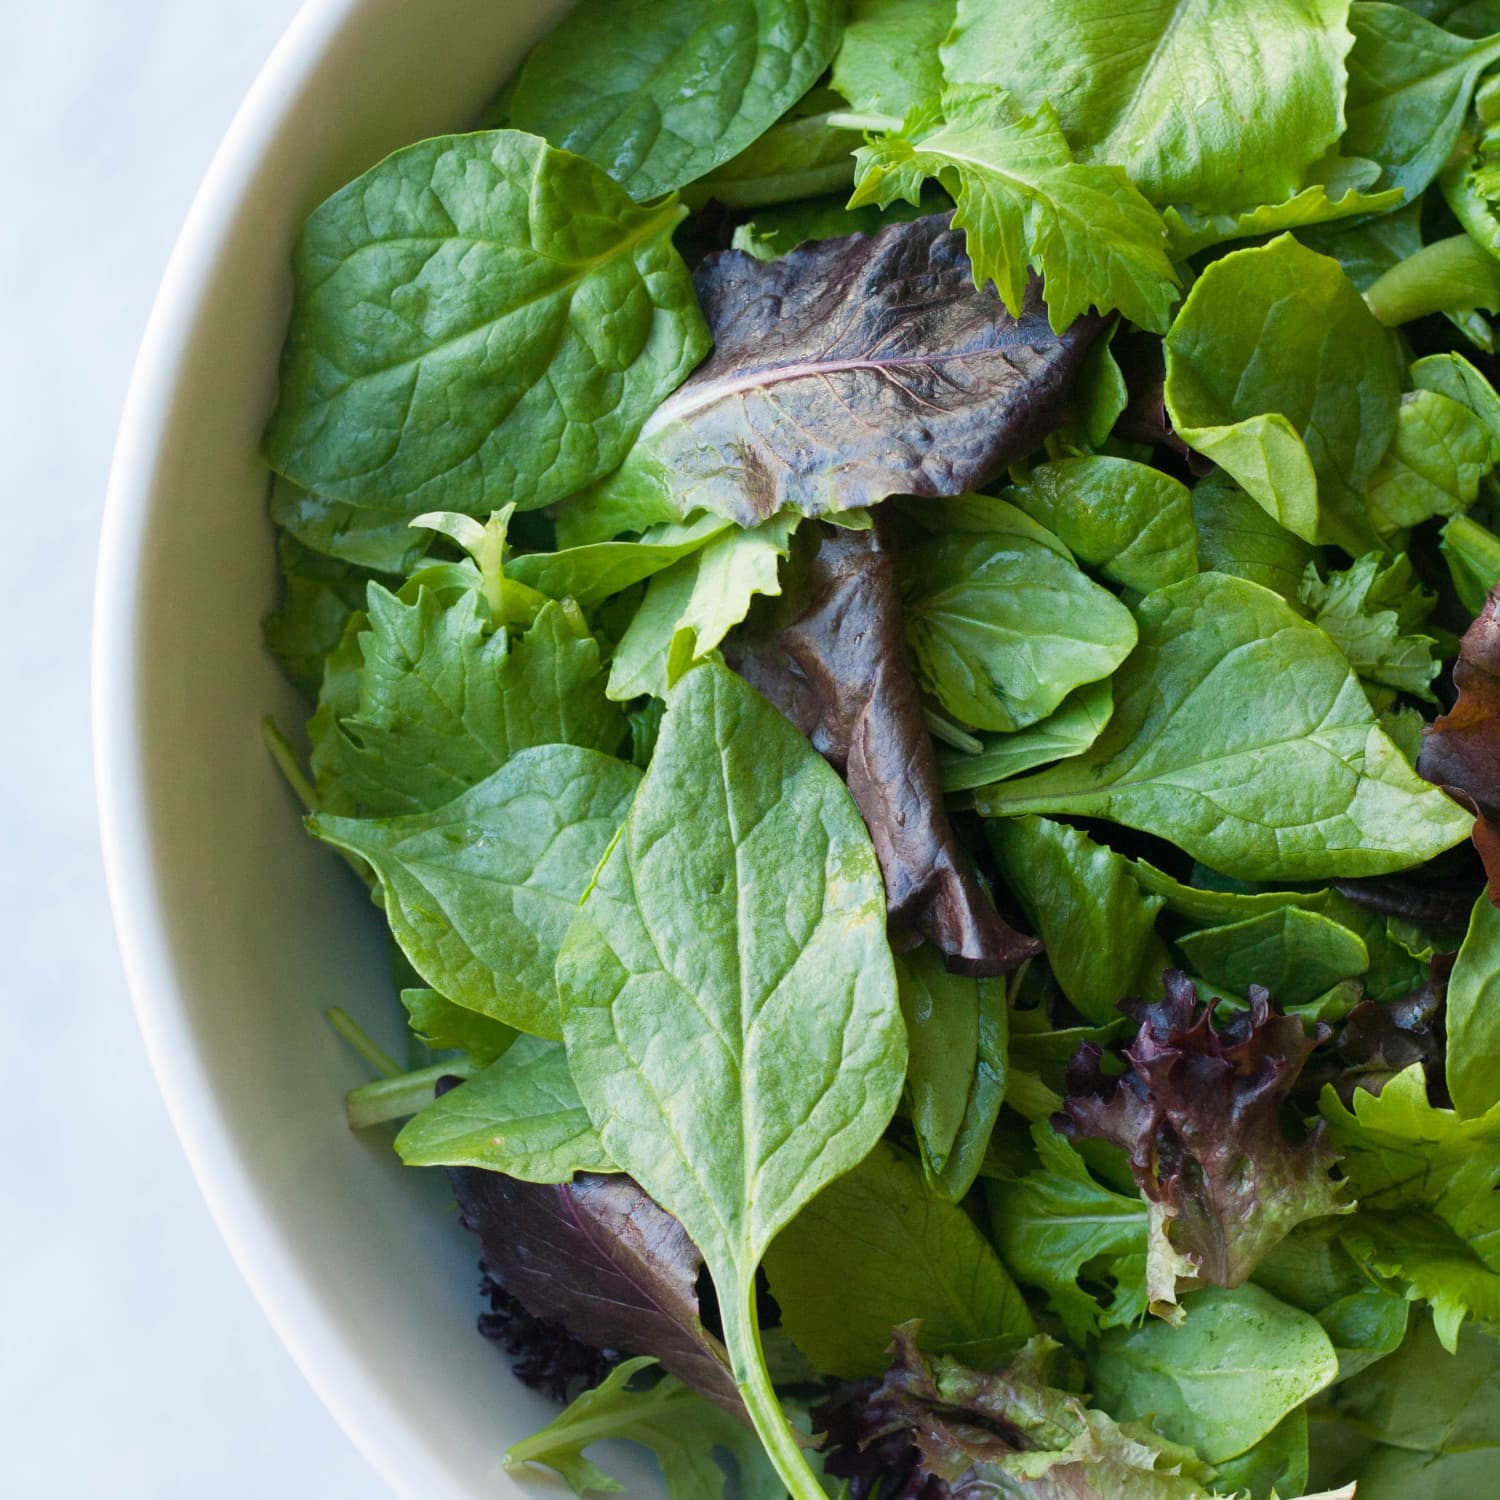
(950, 734)
(359, 1039)
(742, 1338)
(854, 120)
(397, 1098)
(286, 762)
(1452, 275)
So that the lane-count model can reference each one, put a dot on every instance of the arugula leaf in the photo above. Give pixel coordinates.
(1199, 104)
(1130, 521)
(737, 923)
(599, 1258)
(1056, 1226)
(888, 60)
(443, 298)
(381, 540)
(1023, 200)
(1099, 927)
(1003, 626)
(802, 155)
(813, 400)
(1295, 953)
(1473, 1015)
(1278, 372)
(1306, 785)
(479, 892)
(680, 1428)
(1189, 231)
(443, 702)
(440, 1024)
(660, 92)
(1440, 453)
(692, 606)
(1239, 537)
(1068, 730)
(1410, 83)
(521, 1116)
(955, 1077)
(919, 1257)
(1221, 1379)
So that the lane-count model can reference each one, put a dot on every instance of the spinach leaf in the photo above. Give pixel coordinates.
(1069, 730)
(1473, 1015)
(660, 92)
(1410, 83)
(443, 299)
(844, 372)
(800, 156)
(1453, 376)
(1306, 785)
(955, 1076)
(1098, 925)
(1279, 1461)
(1024, 201)
(1003, 625)
(1130, 521)
(1221, 1379)
(1278, 372)
(1239, 537)
(1294, 953)
(1201, 105)
(888, 61)
(1057, 1225)
(438, 1023)
(1440, 452)
(521, 1116)
(1472, 553)
(919, 1258)
(729, 1003)
(384, 541)
(479, 892)
(682, 1430)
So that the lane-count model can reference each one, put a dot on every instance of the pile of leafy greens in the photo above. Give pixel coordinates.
(895, 602)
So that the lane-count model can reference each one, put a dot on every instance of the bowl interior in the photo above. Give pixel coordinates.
(237, 931)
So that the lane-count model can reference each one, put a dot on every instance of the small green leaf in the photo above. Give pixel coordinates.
(1473, 1015)
(801, 156)
(1440, 452)
(1190, 231)
(1472, 553)
(1295, 954)
(888, 60)
(440, 1024)
(1239, 537)
(1068, 730)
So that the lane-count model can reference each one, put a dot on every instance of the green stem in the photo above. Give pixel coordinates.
(286, 762)
(397, 1098)
(950, 734)
(353, 1033)
(854, 120)
(742, 1337)
(1452, 275)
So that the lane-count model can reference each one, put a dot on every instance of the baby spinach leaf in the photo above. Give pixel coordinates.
(955, 1076)
(888, 61)
(440, 1024)
(1473, 1015)
(728, 997)
(800, 156)
(1003, 625)
(844, 372)
(521, 1116)
(1221, 1379)
(1057, 1225)
(599, 1257)
(1472, 553)
(1200, 105)
(443, 702)
(919, 1257)
(681, 1429)
(1306, 785)
(1023, 200)
(1278, 372)
(1097, 923)
(1190, 231)
(1294, 953)
(443, 299)
(1410, 83)
(1453, 376)
(1239, 537)
(1132, 522)
(479, 892)
(1069, 730)
(660, 92)
(1440, 452)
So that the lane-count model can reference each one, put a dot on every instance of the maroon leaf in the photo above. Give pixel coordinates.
(850, 370)
(1461, 748)
(1198, 1114)
(600, 1258)
(831, 655)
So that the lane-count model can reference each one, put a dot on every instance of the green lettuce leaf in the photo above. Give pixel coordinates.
(1239, 537)
(1472, 1015)
(1189, 232)
(1294, 953)
(1440, 452)
(888, 61)
(382, 540)
(1068, 730)
(800, 156)
(441, 1025)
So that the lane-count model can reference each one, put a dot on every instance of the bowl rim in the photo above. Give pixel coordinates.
(362, 1406)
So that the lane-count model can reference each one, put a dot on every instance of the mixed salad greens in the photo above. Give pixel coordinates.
(879, 584)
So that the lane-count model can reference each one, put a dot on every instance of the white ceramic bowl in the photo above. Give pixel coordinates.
(237, 931)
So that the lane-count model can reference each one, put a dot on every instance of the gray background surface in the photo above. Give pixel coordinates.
(134, 1362)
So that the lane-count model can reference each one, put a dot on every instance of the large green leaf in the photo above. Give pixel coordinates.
(1473, 1015)
(480, 892)
(918, 1257)
(444, 299)
(1278, 372)
(659, 92)
(1217, 106)
(888, 61)
(729, 1001)
(1241, 734)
